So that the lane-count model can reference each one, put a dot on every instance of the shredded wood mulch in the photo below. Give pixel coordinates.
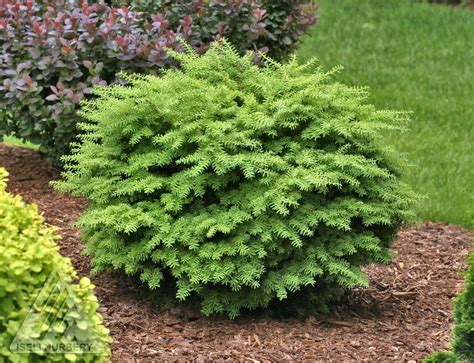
(404, 315)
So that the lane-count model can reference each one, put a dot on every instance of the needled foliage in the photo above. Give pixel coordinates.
(39, 301)
(463, 331)
(241, 185)
(442, 357)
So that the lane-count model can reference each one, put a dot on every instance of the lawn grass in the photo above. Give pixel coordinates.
(418, 57)
(11, 140)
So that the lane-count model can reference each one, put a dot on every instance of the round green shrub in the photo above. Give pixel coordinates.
(463, 332)
(441, 357)
(238, 184)
(40, 305)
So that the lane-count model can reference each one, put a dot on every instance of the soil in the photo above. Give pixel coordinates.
(404, 315)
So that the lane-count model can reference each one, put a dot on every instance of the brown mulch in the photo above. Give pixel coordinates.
(403, 316)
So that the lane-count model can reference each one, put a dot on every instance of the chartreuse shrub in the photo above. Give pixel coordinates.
(53, 52)
(463, 332)
(41, 308)
(238, 184)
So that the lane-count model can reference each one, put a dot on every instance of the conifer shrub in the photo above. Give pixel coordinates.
(238, 184)
(53, 52)
(442, 357)
(36, 309)
(463, 332)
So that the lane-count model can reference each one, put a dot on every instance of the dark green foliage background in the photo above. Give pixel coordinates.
(463, 332)
(243, 185)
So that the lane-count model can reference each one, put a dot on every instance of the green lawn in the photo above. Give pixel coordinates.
(10, 140)
(417, 57)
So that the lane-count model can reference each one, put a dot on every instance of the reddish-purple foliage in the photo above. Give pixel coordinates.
(53, 51)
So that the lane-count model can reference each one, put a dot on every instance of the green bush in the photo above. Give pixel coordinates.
(242, 185)
(442, 357)
(463, 332)
(39, 303)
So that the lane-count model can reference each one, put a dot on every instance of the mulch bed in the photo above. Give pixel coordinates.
(403, 316)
